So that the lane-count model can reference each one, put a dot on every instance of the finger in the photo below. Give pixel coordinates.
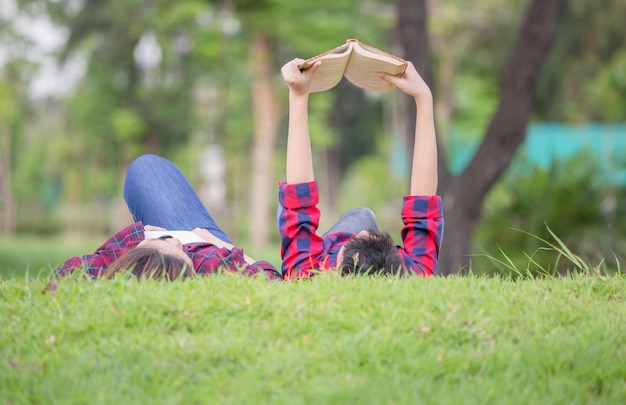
(388, 78)
(311, 71)
(292, 64)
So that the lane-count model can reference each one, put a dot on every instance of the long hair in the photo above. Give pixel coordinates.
(374, 253)
(148, 262)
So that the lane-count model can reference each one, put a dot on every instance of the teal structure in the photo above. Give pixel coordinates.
(550, 142)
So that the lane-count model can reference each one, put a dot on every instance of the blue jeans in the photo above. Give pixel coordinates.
(158, 194)
(352, 221)
(355, 221)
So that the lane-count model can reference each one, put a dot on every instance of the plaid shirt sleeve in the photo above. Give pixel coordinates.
(96, 263)
(208, 259)
(301, 248)
(422, 233)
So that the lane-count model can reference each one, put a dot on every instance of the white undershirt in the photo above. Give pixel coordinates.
(183, 236)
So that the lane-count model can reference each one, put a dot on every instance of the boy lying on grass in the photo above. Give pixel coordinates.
(354, 244)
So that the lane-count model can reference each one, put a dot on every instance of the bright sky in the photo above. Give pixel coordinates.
(52, 80)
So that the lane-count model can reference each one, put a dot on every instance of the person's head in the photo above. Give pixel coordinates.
(161, 258)
(369, 252)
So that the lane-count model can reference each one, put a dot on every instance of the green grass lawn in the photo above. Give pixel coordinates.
(330, 340)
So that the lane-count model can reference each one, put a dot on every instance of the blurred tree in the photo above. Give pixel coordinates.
(150, 62)
(584, 77)
(463, 195)
(169, 77)
(316, 28)
(16, 72)
(143, 60)
(467, 82)
(9, 119)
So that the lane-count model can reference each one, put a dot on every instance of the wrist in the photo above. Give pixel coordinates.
(298, 94)
(424, 100)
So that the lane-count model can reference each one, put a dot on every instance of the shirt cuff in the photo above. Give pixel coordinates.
(137, 234)
(298, 195)
(420, 206)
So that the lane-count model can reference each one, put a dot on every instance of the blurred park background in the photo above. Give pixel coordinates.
(530, 108)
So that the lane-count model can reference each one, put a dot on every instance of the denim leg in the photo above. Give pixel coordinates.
(158, 194)
(355, 221)
(279, 212)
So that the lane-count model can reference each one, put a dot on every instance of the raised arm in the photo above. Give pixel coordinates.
(424, 169)
(299, 216)
(422, 213)
(299, 159)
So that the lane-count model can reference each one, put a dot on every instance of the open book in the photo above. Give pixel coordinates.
(359, 62)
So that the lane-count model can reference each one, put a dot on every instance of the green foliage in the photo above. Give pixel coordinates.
(122, 98)
(29, 179)
(470, 49)
(9, 110)
(610, 87)
(322, 24)
(570, 200)
(535, 265)
(584, 79)
(322, 136)
(122, 109)
(475, 101)
(230, 339)
(477, 40)
(357, 120)
(15, 106)
(370, 183)
(127, 125)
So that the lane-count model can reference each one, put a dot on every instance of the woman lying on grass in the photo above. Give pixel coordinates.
(181, 240)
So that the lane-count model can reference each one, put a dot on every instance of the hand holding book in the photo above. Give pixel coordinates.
(359, 62)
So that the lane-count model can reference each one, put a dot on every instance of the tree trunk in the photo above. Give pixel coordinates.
(266, 122)
(7, 208)
(463, 195)
(507, 130)
(413, 37)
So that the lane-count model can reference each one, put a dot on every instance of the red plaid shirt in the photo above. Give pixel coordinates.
(303, 250)
(206, 257)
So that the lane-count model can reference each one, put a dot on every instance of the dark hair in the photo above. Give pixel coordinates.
(148, 262)
(374, 253)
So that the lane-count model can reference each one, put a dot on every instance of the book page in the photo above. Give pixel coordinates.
(330, 71)
(338, 52)
(378, 53)
(363, 69)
